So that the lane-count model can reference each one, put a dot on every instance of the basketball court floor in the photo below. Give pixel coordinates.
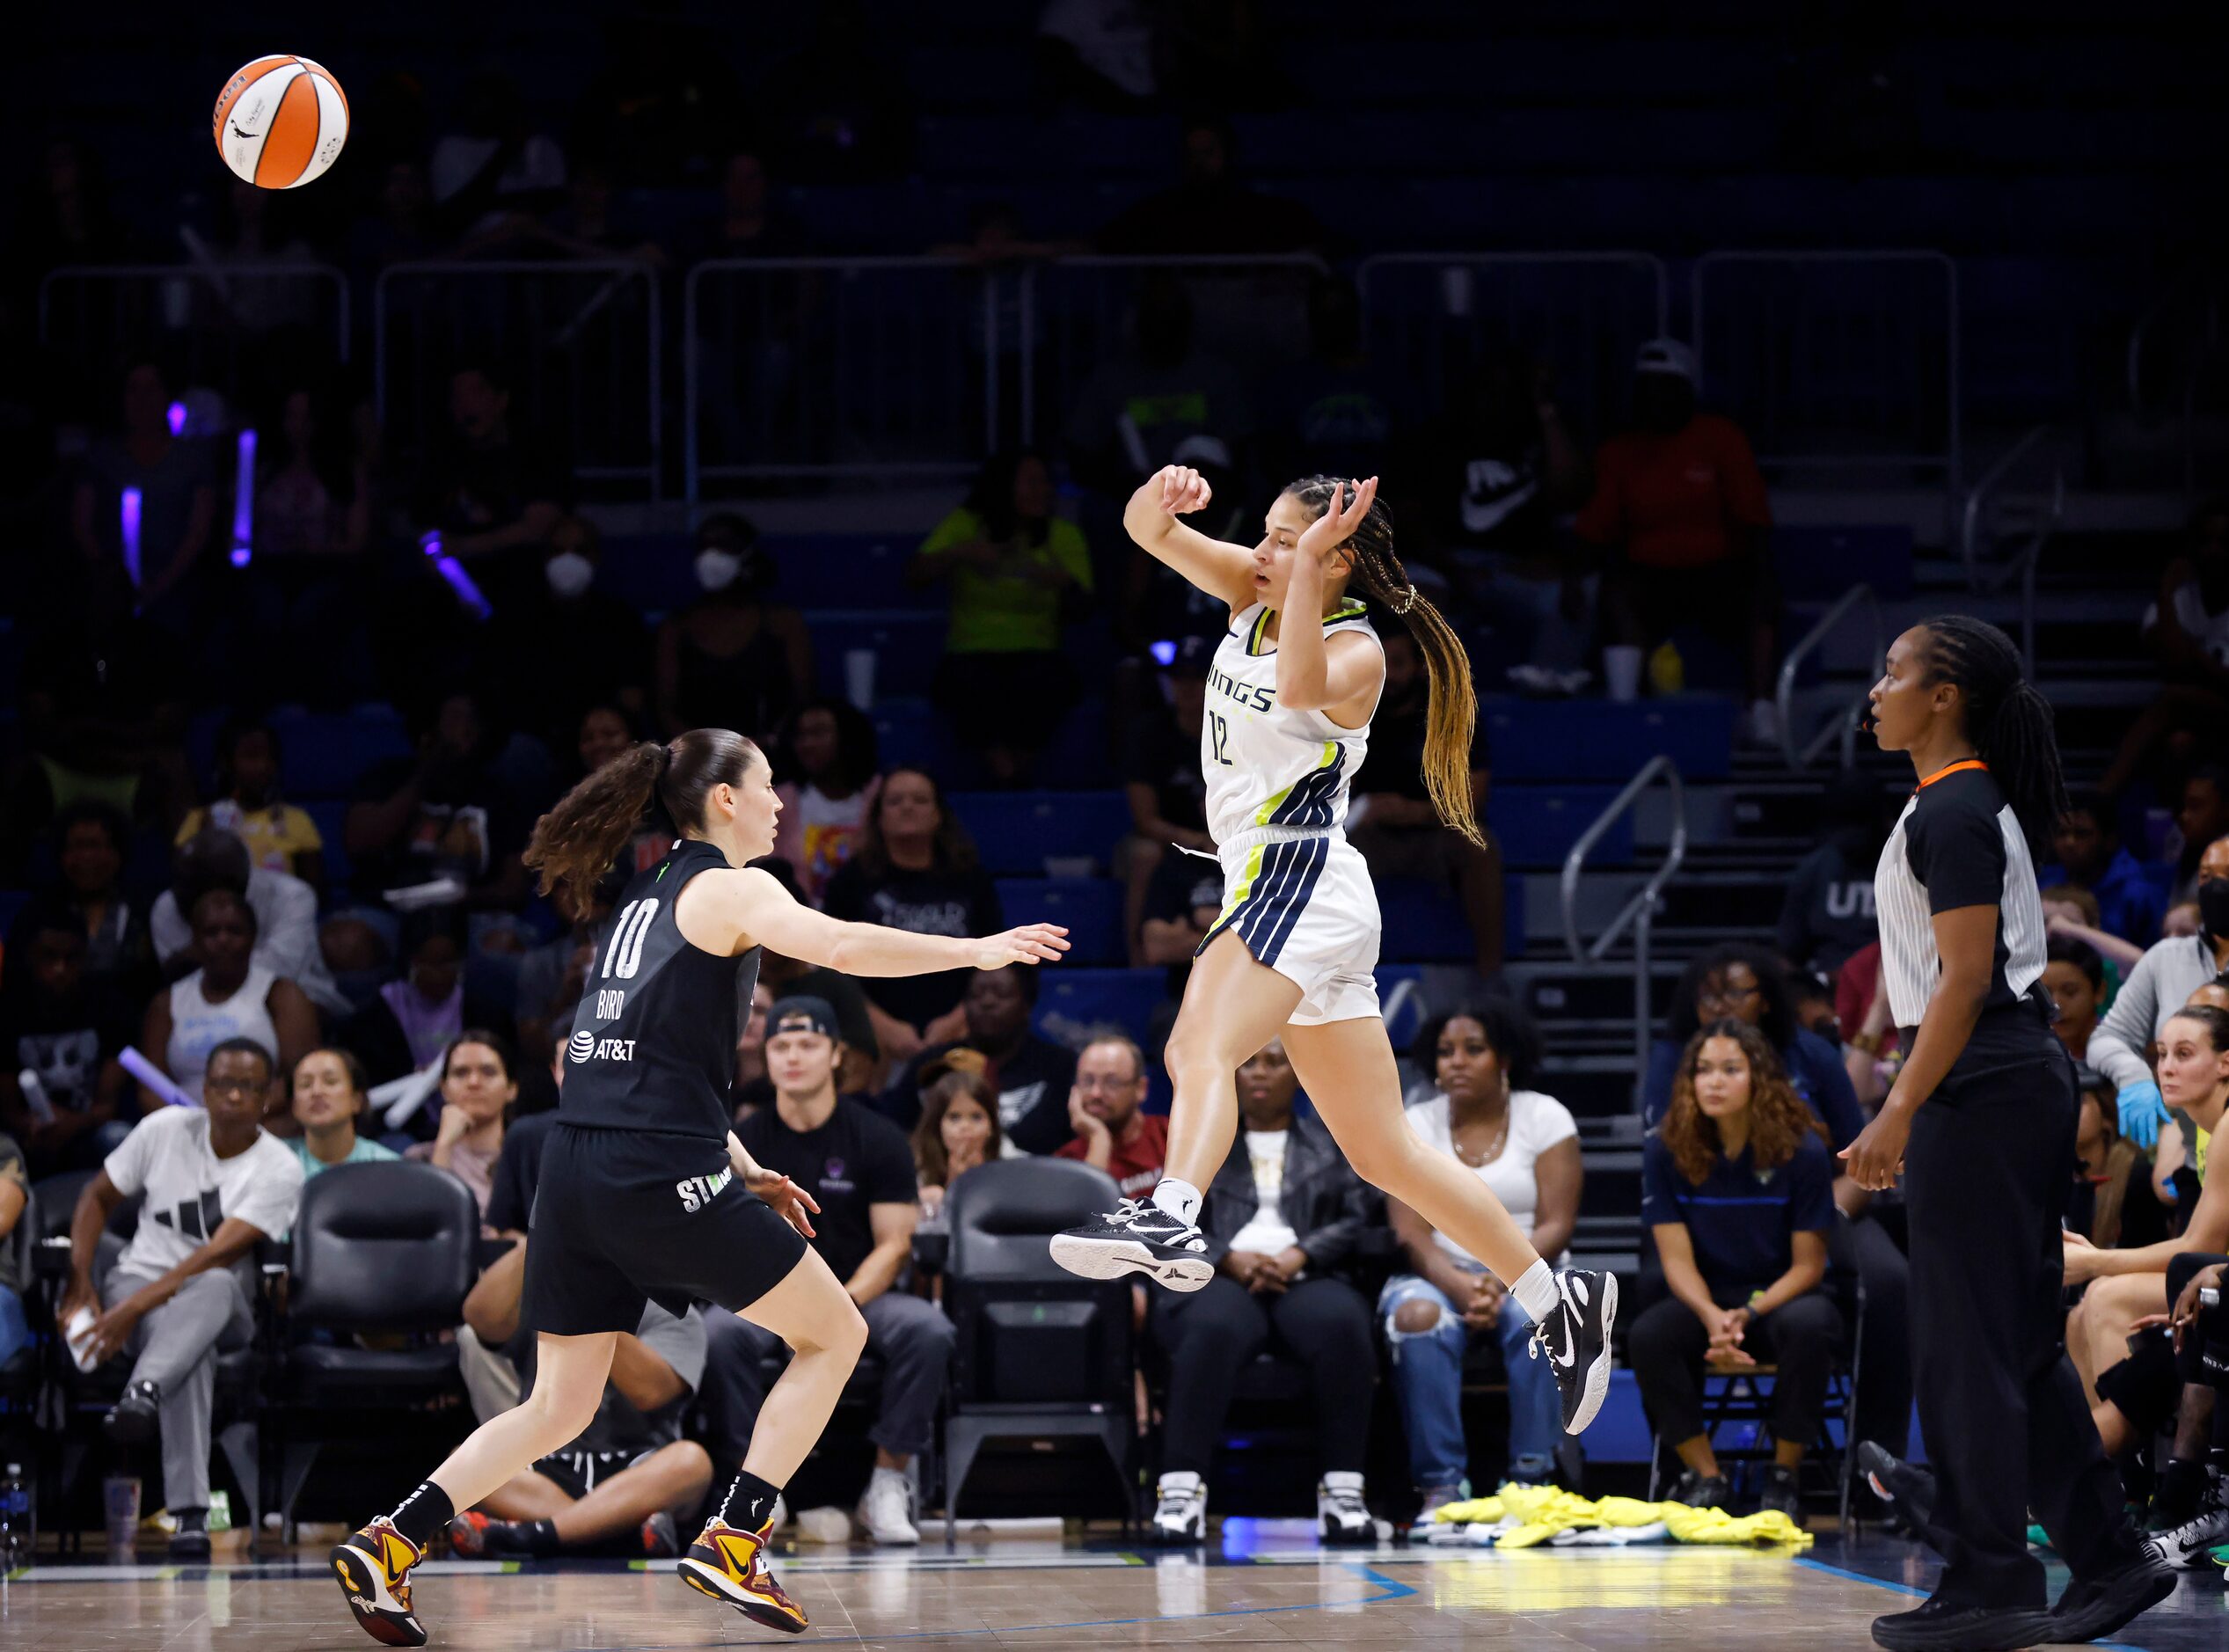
(1268, 1587)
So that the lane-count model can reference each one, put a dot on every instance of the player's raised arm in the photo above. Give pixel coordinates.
(1220, 569)
(751, 907)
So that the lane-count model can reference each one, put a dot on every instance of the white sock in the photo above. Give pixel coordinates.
(1180, 1199)
(898, 1475)
(1535, 1289)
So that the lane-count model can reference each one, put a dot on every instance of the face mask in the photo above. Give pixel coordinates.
(716, 570)
(2213, 908)
(569, 572)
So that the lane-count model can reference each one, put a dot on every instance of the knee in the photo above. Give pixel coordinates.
(1416, 1316)
(688, 1463)
(1382, 1157)
(564, 1416)
(846, 1333)
(1193, 1050)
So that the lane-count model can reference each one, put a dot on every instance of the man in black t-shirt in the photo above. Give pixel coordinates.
(1161, 777)
(1031, 1075)
(65, 1031)
(858, 1168)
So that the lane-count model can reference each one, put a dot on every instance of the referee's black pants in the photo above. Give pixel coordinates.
(1987, 1172)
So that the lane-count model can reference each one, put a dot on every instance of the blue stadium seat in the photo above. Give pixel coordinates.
(1597, 740)
(848, 570)
(1070, 1000)
(1091, 907)
(1016, 832)
(1424, 923)
(906, 646)
(1537, 824)
(910, 735)
(1079, 756)
(325, 754)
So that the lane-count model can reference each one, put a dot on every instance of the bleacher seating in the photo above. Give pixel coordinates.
(1091, 909)
(1022, 833)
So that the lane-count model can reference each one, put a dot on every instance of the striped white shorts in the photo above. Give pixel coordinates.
(1302, 903)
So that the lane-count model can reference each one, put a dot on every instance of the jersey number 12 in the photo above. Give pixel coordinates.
(1219, 737)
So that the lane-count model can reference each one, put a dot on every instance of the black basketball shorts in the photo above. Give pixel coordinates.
(623, 1218)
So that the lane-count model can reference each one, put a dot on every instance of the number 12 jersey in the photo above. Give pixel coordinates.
(1267, 765)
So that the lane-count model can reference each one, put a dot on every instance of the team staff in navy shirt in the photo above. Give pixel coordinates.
(1737, 1189)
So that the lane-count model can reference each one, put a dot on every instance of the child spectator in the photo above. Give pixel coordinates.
(1103, 1109)
(959, 1131)
(2131, 901)
(330, 1095)
(280, 836)
(2074, 975)
(230, 999)
(826, 766)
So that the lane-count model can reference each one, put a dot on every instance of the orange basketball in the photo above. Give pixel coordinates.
(281, 122)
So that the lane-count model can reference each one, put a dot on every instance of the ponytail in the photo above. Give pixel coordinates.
(1451, 721)
(2010, 723)
(577, 841)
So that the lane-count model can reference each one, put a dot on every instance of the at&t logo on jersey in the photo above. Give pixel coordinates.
(696, 1192)
(585, 1046)
(581, 1046)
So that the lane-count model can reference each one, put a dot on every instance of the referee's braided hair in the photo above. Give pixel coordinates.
(576, 842)
(1452, 706)
(2009, 722)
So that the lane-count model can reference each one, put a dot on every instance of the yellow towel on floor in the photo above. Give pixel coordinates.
(1542, 1511)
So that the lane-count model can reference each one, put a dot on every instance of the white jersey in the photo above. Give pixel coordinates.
(1264, 765)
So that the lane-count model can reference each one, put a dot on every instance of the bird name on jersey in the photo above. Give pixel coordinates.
(696, 1192)
(585, 1046)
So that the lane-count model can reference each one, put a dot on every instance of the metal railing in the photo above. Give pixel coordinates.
(1846, 724)
(582, 339)
(1638, 913)
(100, 313)
(1979, 497)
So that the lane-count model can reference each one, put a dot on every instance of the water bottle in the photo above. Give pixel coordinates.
(16, 1538)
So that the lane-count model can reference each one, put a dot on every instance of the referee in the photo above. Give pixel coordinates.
(1981, 1120)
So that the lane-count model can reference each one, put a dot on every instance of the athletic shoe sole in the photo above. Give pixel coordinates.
(2132, 1597)
(369, 1600)
(1116, 1258)
(707, 1580)
(1597, 1383)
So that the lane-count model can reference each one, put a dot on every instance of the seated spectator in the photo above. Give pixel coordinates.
(490, 493)
(2202, 817)
(1524, 1146)
(606, 732)
(90, 839)
(2131, 901)
(1209, 210)
(858, 1169)
(550, 976)
(285, 908)
(230, 998)
(731, 659)
(182, 1291)
(61, 1031)
(861, 1069)
(916, 869)
(1681, 509)
(280, 836)
(15, 1198)
(959, 1130)
(401, 228)
(826, 763)
(1393, 822)
(753, 1088)
(480, 1080)
(2113, 1202)
(2154, 992)
(1018, 573)
(1033, 1076)
(1138, 407)
(412, 1023)
(566, 616)
(1103, 1110)
(312, 507)
(443, 815)
(1737, 1190)
(1827, 913)
(330, 1095)
(177, 487)
(2188, 629)
(747, 222)
(2071, 913)
(1281, 1219)
(2074, 975)
(1182, 904)
(1161, 780)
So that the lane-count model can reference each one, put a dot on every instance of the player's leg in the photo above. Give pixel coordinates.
(1348, 1068)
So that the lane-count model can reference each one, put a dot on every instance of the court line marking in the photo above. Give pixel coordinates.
(1906, 1589)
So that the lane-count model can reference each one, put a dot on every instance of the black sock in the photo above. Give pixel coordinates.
(750, 1503)
(422, 1514)
(2180, 1486)
(537, 1538)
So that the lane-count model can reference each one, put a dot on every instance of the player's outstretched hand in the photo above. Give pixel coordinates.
(1350, 504)
(790, 1202)
(1184, 490)
(1032, 943)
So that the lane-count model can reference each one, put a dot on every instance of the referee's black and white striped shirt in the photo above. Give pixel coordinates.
(1956, 844)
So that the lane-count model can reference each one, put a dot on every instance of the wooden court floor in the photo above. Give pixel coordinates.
(1265, 1590)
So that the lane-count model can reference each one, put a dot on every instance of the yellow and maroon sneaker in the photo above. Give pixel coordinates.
(730, 1566)
(374, 1569)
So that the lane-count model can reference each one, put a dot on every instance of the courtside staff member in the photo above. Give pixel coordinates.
(1981, 1122)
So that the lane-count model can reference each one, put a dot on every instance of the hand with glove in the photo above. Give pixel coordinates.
(2142, 1113)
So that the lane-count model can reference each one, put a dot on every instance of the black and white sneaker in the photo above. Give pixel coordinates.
(1342, 1517)
(1180, 1509)
(2187, 1547)
(1576, 1341)
(1139, 1237)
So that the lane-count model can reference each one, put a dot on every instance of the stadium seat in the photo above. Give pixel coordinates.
(1537, 824)
(322, 754)
(1597, 739)
(848, 570)
(1091, 909)
(1073, 1001)
(1019, 833)
(908, 734)
(906, 646)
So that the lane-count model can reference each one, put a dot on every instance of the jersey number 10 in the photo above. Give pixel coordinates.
(624, 956)
(1219, 738)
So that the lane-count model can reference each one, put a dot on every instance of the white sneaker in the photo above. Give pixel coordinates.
(1181, 1516)
(1342, 1515)
(886, 1511)
(2187, 1546)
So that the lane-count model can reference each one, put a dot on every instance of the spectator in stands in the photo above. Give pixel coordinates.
(2130, 900)
(606, 732)
(441, 816)
(411, 1022)
(1018, 573)
(2188, 628)
(837, 110)
(731, 659)
(176, 488)
(1180, 906)
(1138, 407)
(825, 766)
(861, 1068)
(280, 836)
(2113, 1202)
(916, 869)
(1209, 210)
(2203, 817)
(2153, 992)
(2071, 913)
(1525, 1146)
(90, 837)
(565, 616)
(1391, 820)
(753, 1088)
(492, 173)
(1034, 1077)
(1335, 415)
(747, 223)
(1104, 1103)
(491, 494)
(285, 910)
(1161, 780)
(1827, 913)
(216, 1184)
(62, 1030)
(2074, 975)
(1737, 1190)
(550, 976)
(312, 501)
(479, 1081)
(858, 1168)
(1282, 1218)
(959, 1131)
(330, 1093)
(594, 224)
(229, 998)
(15, 1198)
(1680, 507)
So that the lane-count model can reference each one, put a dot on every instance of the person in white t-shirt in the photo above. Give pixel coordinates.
(179, 1293)
(1525, 1147)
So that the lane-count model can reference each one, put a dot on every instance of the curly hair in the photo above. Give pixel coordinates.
(1510, 1033)
(929, 1159)
(576, 842)
(1779, 1117)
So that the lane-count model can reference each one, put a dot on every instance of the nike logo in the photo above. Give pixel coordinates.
(1568, 1359)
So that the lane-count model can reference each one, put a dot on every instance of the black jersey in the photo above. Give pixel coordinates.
(653, 1038)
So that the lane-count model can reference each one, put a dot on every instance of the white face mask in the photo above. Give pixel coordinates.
(569, 572)
(716, 570)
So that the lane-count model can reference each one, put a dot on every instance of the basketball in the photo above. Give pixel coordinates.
(281, 122)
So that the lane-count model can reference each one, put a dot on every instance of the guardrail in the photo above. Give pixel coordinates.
(1638, 913)
(209, 310)
(1845, 726)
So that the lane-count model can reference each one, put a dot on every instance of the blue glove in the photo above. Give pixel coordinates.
(2142, 1113)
